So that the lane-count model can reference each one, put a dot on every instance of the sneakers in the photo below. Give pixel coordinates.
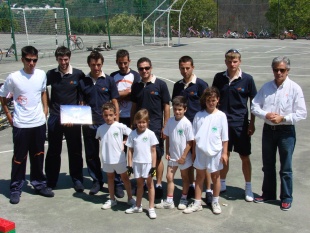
(134, 209)
(15, 198)
(131, 202)
(159, 192)
(46, 192)
(182, 204)
(118, 190)
(78, 186)
(109, 204)
(95, 188)
(164, 205)
(262, 199)
(191, 192)
(192, 208)
(209, 197)
(216, 208)
(249, 195)
(285, 206)
(152, 213)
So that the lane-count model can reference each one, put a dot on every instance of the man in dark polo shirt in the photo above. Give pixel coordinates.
(191, 87)
(124, 78)
(236, 89)
(152, 94)
(97, 88)
(64, 81)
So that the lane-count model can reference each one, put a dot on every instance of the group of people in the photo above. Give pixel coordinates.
(131, 115)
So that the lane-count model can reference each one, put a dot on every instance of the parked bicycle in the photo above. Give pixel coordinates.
(263, 34)
(175, 32)
(288, 35)
(161, 32)
(74, 42)
(192, 32)
(8, 53)
(4, 123)
(231, 34)
(249, 34)
(206, 32)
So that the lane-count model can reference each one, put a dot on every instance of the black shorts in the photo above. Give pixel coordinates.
(239, 140)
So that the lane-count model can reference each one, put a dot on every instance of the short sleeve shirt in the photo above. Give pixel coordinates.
(141, 144)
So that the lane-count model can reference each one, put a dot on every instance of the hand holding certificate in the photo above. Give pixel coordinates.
(75, 114)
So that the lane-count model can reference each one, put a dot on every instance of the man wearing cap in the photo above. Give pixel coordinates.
(236, 88)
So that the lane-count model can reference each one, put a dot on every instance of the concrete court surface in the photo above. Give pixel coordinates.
(78, 212)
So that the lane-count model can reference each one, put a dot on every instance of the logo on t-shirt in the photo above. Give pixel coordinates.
(214, 129)
(154, 93)
(180, 132)
(144, 139)
(193, 93)
(240, 89)
(73, 82)
(115, 134)
(104, 89)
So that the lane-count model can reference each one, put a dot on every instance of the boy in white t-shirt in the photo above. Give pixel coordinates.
(141, 145)
(211, 141)
(179, 139)
(112, 150)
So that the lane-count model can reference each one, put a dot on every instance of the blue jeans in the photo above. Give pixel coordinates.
(283, 139)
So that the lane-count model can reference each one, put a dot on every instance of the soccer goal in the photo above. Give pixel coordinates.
(44, 28)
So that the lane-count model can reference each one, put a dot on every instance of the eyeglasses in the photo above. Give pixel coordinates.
(144, 68)
(29, 59)
(281, 70)
(232, 51)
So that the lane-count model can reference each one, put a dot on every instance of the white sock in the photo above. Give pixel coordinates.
(158, 185)
(215, 199)
(209, 191)
(248, 186)
(197, 202)
(169, 199)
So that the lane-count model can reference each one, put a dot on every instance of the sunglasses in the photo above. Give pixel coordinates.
(232, 51)
(144, 68)
(281, 70)
(29, 59)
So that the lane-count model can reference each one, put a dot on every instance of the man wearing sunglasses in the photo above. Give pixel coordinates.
(28, 87)
(236, 89)
(64, 82)
(280, 103)
(152, 94)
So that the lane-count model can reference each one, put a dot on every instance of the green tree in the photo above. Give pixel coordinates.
(291, 15)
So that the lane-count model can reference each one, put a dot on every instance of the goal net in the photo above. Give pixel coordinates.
(43, 28)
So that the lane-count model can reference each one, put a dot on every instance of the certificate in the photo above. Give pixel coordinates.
(75, 114)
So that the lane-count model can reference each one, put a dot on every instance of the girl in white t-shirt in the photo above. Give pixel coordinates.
(211, 140)
(141, 145)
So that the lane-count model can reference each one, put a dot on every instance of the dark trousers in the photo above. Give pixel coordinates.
(53, 158)
(283, 139)
(28, 140)
(91, 145)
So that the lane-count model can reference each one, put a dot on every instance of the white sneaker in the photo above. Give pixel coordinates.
(134, 209)
(131, 202)
(182, 204)
(164, 205)
(109, 204)
(192, 208)
(152, 213)
(216, 208)
(249, 195)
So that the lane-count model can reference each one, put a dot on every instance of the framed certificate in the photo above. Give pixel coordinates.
(75, 114)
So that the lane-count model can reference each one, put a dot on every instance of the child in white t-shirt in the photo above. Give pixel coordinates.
(112, 150)
(179, 139)
(141, 154)
(211, 141)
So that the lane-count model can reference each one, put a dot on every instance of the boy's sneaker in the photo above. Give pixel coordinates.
(262, 199)
(216, 208)
(182, 204)
(159, 192)
(285, 206)
(192, 208)
(152, 213)
(209, 197)
(249, 195)
(134, 209)
(95, 188)
(46, 192)
(78, 186)
(164, 205)
(131, 202)
(191, 192)
(109, 204)
(15, 198)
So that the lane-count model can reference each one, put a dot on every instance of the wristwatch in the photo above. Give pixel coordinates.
(283, 119)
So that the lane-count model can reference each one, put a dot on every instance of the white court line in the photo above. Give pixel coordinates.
(275, 49)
